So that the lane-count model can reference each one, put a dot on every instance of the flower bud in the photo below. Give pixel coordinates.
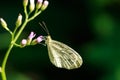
(3, 24)
(45, 5)
(32, 5)
(0, 69)
(30, 37)
(39, 4)
(25, 3)
(19, 20)
(23, 42)
(37, 40)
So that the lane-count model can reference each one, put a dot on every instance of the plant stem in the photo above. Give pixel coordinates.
(20, 31)
(3, 74)
(4, 62)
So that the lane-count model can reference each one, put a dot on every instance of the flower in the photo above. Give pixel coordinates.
(39, 4)
(30, 37)
(25, 3)
(0, 69)
(19, 20)
(45, 5)
(3, 24)
(32, 5)
(24, 42)
(37, 40)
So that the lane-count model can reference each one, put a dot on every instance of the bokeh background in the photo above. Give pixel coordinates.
(91, 27)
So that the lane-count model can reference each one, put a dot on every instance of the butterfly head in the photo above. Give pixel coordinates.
(48, 39)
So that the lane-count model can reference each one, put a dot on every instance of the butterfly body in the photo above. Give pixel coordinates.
(61, 55)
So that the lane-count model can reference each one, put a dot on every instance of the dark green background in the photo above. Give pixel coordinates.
(91, 27)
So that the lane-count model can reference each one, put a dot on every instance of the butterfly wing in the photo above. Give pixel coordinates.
(63, 56)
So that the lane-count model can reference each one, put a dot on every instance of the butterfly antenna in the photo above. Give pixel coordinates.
(43, 25)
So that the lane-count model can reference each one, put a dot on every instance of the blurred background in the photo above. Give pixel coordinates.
(91, 27)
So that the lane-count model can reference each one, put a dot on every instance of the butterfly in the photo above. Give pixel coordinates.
(61, 55)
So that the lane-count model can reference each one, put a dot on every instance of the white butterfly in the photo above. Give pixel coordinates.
(61, 55)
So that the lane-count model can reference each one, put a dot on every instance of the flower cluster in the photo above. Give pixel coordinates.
(42, 5)
(31, 41)
(31, 11)
(29, 7)
(37, 8)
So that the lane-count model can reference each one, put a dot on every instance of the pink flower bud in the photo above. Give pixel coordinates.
(30, 37)
(24, 42)
(39, 39)
(39, 4)
(45, 5)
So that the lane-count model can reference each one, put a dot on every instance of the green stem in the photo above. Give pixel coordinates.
(14, 32)
(36, 14)
(10, 48)
(20, 31)
(4, 62)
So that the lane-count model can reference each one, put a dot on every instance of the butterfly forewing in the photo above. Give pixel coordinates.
(63, 56)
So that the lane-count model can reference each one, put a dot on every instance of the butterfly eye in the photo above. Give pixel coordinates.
(44, 38)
